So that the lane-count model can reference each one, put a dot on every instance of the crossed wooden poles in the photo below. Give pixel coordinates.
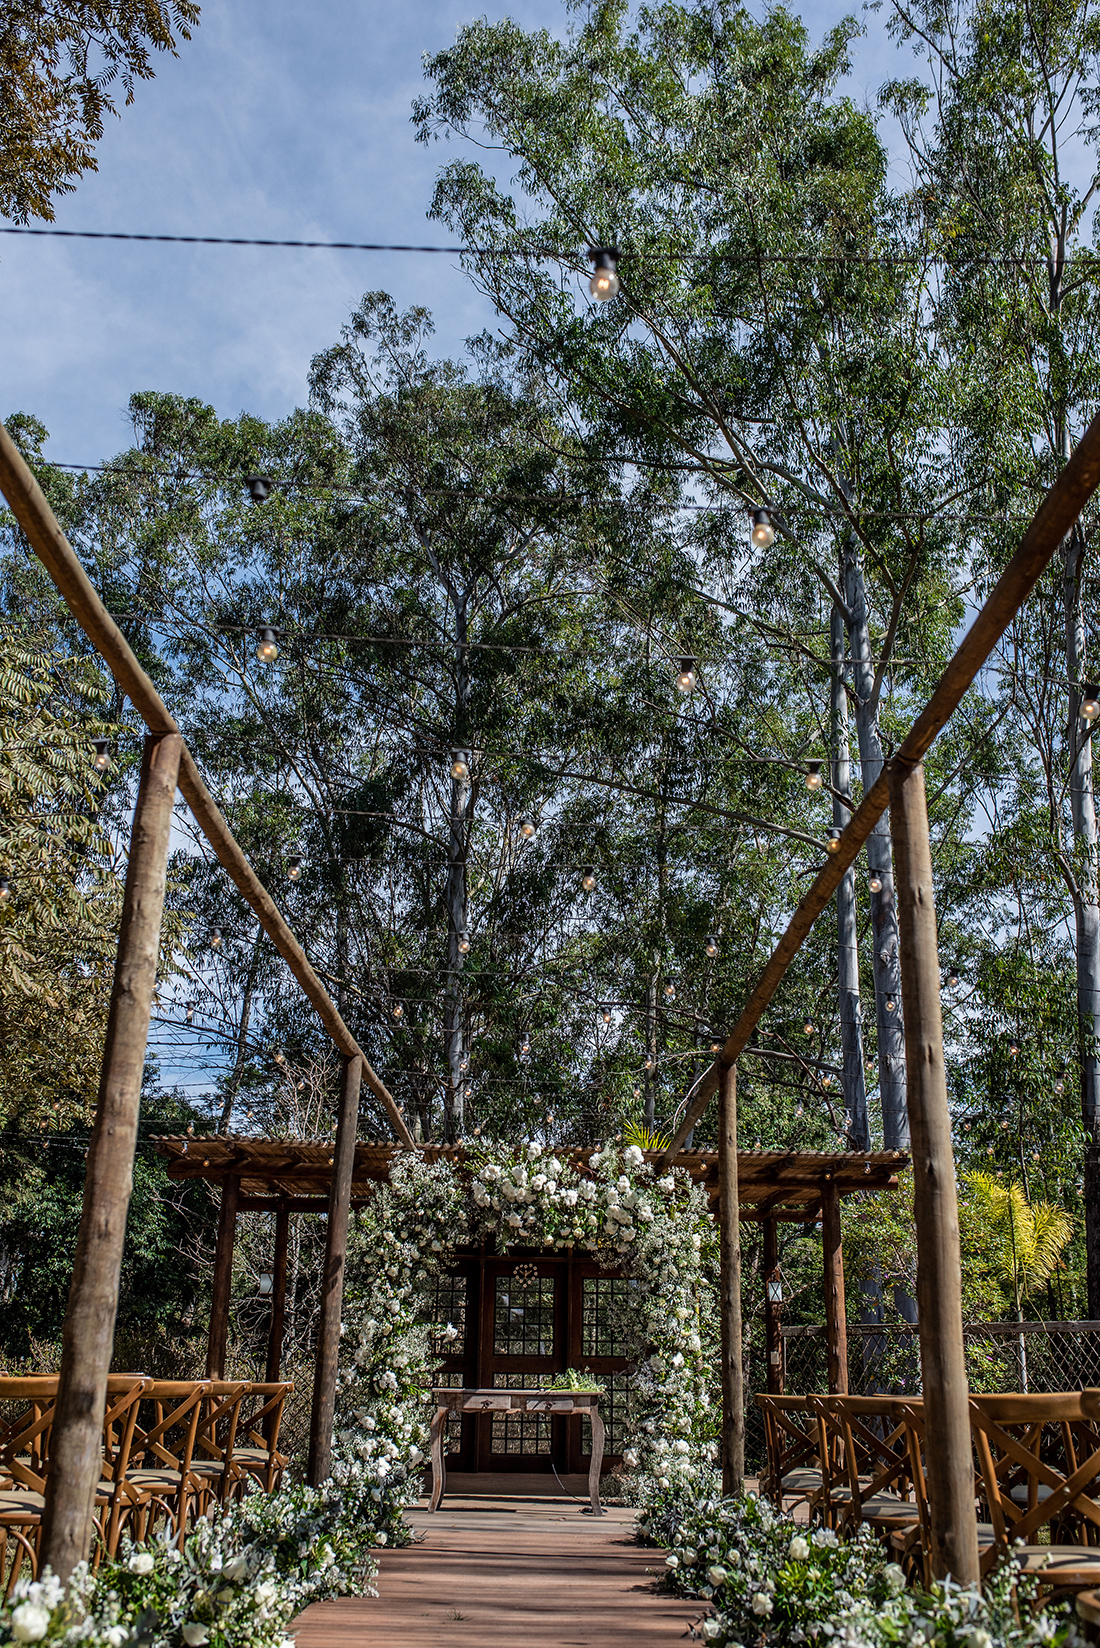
(93, 1299)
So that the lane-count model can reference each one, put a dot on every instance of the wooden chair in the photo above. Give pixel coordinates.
(795, 1470)
(870, 1475)
(258, 1458)
(1039, 1458)
(161, 1482)
(212, 1461)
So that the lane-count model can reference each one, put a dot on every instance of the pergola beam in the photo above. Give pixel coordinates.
(37, 519)
(1054, 520)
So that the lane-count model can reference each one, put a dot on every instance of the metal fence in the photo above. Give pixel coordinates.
(1000, 1356)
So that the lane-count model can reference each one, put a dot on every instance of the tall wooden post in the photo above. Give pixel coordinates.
(773, 1311)
(221, 1292)
(332, 1287)
(278, 1295)
(948, 1461)
(89, 1330)
(836, 1321)
(733, 1381)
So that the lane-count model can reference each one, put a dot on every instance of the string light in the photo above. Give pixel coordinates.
(670, 991)
(808, 1028)
(953, 976)
(464, 943)
(874, 882)
(294, 867)
(398, 1010)
(5, 890)
(527, 828)
(1012, 1050)
(813, 775)
(190, 1012)
(260, 487)
(605, 278)
(588, 879)
(1059, 1086)
(685, 679)
(605, 1014)
(464, 1062)
(460, 765)
(215, 938)
(763, 532)
(712, 944)
(525, 1046)
(1090, 702)
(650, 1061)
(267, 649)
(102, 749)
(890, 1004)
(716, 1046)
(833, 843)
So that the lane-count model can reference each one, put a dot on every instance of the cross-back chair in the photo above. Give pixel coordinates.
(257, 1457)
(795, 1470)
(162, 1483)
(865, 1442)
(213, 1459)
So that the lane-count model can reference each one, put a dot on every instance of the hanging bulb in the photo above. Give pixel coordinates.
(953, 976)
(215, 938)
(874, 882)
(266, 648)
(716, 1046)
(588, 879)
(813, 774)
(460, 765)
(1090, 702)
(650, 1061)
(808, 1028)
(102, 749)
(637, 1092)
(5, 890)
(398, 1010)
(798, 1111)
(525, 1046)
(833, 843)
(464, 943)
(190, 1012)
(685, 679)
(826, 1081)
(259, 487)
(527, 828)
(712, 944)
(467, 1092)
(605, 1014)
(279, 1056)
(605, 279)
(670, 991)
(890, 1004)
(294, 867)
(763, 532)
(464, 1062)
(1059, 1086)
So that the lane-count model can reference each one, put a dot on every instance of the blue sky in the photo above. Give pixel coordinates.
(278, 119)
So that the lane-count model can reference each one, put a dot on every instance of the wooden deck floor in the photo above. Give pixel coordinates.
(508, 1572)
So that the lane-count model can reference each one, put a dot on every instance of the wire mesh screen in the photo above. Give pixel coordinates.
(1000, 1356)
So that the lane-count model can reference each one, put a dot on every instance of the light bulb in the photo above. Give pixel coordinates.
(464, 1062)
(712, 945)
(266, 648)
(1059, 1086)
(890, 1004)
(763, 532)
(1090, 702)
(588, 879)
(685, 679)
(279, 1056)
(398, 1010)
(525, 1046)
(813, 775)
(874, 882)
(605, 280)
(294, 867)
(464, 943)
(716, 1046)
(798, 1111)
(826, 1081)
(670, 990)
(190, 1012)
(5, 890)
(650, 1062)
(259, 486)
(527, 828)
(460, 766)
(102, 754)
(467, 1092)
(215, 938)
(605, 1014)
(953, 978)
(833, 843)
(808, 1028)
(1013, 1050)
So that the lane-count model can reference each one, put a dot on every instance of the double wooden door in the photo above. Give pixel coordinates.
(521, 1320)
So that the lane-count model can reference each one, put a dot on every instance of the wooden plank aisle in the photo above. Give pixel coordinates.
(510, 1572)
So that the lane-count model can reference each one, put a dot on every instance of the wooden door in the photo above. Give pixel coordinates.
(597, 1306)
(524, 1338)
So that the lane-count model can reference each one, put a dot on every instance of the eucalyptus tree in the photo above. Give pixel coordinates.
(766, 344)
(1001, 132)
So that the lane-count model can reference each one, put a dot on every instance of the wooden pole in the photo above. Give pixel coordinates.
(332, 1289)
(278, 1296)
(223, 1279)
(88, 1335)
(733, 1381)
(37, 519)
(773, 1318)
(836, 1321)
(1053, 520)
(948, 1460)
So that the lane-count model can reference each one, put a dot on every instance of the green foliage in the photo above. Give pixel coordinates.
(1024, 1240)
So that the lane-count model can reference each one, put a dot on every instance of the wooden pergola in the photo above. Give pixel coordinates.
(285, 1176)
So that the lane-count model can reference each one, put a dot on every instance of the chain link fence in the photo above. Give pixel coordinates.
(1000, 1356)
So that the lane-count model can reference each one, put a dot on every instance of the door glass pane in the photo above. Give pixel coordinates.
(448, 1304)
(521, 1432)
(523, 1317)
(614, 1410)
(599, 1297)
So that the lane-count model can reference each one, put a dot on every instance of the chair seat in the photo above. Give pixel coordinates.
(1065, 1564)
(1088, 1607)
(154, 1479)
(888, 1507)
(263, 1456)
(18, 1503)
(803, 1480)
(1019, 1493)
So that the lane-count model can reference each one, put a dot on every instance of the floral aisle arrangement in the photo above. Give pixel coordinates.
(237, 1581)
(654, 1227)
(778, 1584)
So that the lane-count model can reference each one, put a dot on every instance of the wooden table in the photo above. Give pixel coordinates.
(559, 1403)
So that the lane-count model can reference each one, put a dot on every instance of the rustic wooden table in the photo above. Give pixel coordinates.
(559, 1403)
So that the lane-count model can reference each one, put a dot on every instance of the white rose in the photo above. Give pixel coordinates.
(672, 1560)
(762, 1604)
(141, 1563)
(799, 1548)
(115, 1635)
(717, 1575)
(30, 1622)
(534, 1151)
(680, 1446)
(894, 1576)
(195, 1634)
(662, 1482)
(381, 1538)
(978, 1639)
(711, 1630)
(825, 1538)
(450, 1331)
(632, 1156)
(236, 1569)
(630, 1458)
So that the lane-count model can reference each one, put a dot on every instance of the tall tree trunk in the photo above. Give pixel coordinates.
(457, 897)
(241, 1059)
(884, 921)
(854, 1089)
(1086, 912)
